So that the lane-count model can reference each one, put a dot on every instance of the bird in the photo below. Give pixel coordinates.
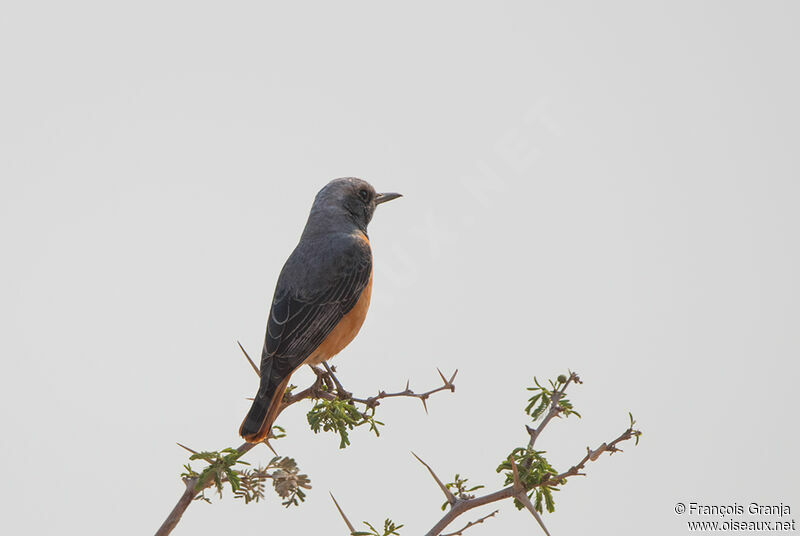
(321, 297)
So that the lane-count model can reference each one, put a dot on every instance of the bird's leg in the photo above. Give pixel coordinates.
(326, 377)
(316, 388)
(346, 395)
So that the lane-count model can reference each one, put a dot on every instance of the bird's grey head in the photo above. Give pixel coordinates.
(346, 201)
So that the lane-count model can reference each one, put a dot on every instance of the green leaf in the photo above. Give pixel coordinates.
(548, 499)
(538, 504)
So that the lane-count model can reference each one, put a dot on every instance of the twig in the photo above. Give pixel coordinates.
(554, 410)
(592, 455)
(460, 532)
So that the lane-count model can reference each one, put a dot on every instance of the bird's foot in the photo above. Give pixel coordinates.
(340, 391)
(320, 385)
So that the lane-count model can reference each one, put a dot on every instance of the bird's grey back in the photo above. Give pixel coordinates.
(319, 260)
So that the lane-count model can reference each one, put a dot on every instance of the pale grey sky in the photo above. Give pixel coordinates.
(608, 187)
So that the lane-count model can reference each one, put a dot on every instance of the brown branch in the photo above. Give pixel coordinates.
(463, 506)
(177, 512)
(374, 401)
(370, 402)
(591, 455)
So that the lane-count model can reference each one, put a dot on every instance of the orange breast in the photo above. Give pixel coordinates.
(345, 331)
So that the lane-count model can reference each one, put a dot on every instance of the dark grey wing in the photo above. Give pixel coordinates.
(298, 324)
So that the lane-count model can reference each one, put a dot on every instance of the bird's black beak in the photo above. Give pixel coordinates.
(382, 198)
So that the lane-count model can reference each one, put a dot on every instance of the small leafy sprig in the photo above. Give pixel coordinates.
(219, 468)
(288, 482)
(532, 469)
(540, 401)
(389, 529)
(251, 488)
(459, 488)
(341, 416)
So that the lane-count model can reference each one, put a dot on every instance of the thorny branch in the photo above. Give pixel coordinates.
(593, 455)
(194, 488)
(374, 401)
(340, 393)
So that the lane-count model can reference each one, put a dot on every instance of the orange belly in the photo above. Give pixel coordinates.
(345, 331)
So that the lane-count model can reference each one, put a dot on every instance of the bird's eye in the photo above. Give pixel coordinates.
(363, 194)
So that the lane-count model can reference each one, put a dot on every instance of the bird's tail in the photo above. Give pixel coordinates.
(258, 422)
